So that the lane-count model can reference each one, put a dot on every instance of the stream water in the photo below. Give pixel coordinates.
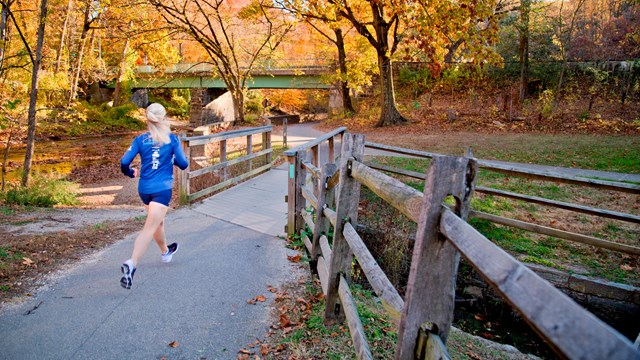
(61, 157)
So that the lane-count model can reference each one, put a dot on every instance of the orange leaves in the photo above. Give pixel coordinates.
(295, 258)
(284, 320)
(174, 344)
(259, 298)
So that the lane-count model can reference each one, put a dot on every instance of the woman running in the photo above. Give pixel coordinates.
(159, 150)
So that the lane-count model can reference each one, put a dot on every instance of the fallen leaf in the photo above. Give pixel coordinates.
(295, 258)
(284, 320)
(174, 344)
(261, 298)
(473, 355)
(27, 261)
(626, 267)
(244, 351)
(251, 302)
(264, 349)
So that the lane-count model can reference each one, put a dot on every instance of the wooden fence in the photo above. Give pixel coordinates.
(425, 314)
(202, 161)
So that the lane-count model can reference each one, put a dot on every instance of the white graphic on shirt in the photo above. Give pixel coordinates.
(155, 158)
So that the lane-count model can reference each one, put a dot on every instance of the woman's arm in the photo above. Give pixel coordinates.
(180, 160)
(127, 159)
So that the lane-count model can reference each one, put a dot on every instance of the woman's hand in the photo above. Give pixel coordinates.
(135, 172)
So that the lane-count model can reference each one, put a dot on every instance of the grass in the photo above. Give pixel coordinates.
(533, 248)
(4, 210)
(7, 254)
(43, 191)
(596, 152)
(311, 338)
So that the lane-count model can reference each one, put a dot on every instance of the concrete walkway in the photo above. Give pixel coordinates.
(229, 254)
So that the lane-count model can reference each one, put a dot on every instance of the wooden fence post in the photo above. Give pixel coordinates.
(431, 287)
(266, 144)
(184, 188)
(291, 195)
(300, 179)
(223, 158)
(325, 197)
(332, 150)
(346, 210)
(284, 133)
(249, 151)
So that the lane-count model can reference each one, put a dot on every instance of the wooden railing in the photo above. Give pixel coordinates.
(302, 159)
(425, 314)
(215, 164)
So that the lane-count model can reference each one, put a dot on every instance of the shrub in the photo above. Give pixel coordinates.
(44, 191)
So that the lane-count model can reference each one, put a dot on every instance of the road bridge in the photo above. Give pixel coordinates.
(210, 101)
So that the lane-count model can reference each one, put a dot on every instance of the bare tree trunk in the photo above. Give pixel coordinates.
(525, 9)
(389, 114)
(31, 117)
(342, 61)
(123, 60)
(63, 35)
(5, 158)
(4, 16)
(565, 49)
(83, 40)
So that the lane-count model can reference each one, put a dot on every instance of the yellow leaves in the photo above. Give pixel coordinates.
(250, 11)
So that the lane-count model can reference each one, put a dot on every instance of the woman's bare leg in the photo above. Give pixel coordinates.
(159, 235)
(155, 217)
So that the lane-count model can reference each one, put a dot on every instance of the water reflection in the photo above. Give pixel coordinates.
(61, 157)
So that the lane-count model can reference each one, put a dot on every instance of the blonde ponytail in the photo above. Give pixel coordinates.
(158, 124)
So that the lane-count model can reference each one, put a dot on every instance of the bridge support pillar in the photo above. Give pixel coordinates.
(140, 97)
(196, 106)
(199, 112)
(336, 104)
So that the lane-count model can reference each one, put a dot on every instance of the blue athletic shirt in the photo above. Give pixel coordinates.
(156, 173)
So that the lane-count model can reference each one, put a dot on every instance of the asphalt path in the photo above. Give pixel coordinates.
(198, 301)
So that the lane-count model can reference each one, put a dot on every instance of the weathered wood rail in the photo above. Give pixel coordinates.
(424, 316)
(301, 159)
(219, 162)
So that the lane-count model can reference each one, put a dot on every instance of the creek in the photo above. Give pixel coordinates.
(63, 156)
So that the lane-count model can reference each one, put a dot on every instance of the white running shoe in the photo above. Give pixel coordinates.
(173, 248)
